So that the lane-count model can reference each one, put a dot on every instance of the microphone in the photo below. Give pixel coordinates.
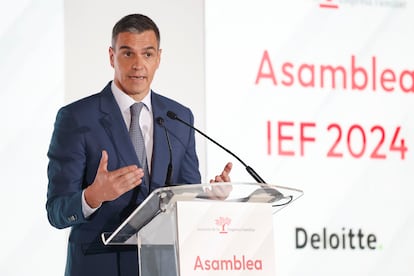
(274, 194)
(160, 121)
(249, 169)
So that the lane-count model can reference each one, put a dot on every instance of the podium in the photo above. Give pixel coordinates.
(205, 229)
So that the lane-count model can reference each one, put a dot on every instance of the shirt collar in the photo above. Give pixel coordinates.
(124, 101)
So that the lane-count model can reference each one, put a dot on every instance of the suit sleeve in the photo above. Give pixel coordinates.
(65, 172)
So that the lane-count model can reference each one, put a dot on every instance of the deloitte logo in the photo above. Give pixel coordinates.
(345, 239)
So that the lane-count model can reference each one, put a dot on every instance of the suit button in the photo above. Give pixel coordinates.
(72, 218)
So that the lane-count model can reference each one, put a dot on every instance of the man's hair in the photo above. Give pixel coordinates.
(135, 23)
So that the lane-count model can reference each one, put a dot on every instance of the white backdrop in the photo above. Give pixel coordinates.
(31, 74)
(268, 68)
(248, 46)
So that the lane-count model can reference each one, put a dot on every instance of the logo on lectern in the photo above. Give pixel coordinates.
(223, 222)
(328, 4)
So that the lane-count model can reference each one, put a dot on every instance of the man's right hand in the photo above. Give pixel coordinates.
(109, 185)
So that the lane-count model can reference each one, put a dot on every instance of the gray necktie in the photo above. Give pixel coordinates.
(137, 138)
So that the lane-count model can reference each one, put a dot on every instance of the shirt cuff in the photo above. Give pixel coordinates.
(86, 209)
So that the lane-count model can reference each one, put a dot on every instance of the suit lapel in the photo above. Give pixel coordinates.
(115, 127)
(160, 153)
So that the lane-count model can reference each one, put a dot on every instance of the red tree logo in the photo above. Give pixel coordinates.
(223, 223)
(328, 4)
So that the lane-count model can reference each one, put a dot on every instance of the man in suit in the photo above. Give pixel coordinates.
(95, 176)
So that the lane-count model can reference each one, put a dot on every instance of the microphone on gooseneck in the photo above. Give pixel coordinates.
(160, 121)
(249, 169)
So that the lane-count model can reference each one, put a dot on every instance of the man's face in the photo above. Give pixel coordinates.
(135, 59)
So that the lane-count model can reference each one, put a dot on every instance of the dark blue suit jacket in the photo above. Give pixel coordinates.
(82, 130)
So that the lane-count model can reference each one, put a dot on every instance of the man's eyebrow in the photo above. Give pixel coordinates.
(124, 47)
(130, 48)
(149, 48)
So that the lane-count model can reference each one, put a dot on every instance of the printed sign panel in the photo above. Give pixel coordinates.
(220, 239)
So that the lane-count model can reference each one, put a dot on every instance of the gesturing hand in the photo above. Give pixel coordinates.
(217, 191)
(109, 185)
(225, 174)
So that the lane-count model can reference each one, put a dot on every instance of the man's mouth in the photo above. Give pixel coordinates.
(137, 77)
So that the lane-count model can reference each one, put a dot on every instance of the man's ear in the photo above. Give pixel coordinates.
(159, 57)
(111, 56)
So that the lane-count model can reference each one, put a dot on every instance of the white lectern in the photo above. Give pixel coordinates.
(205, 229)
